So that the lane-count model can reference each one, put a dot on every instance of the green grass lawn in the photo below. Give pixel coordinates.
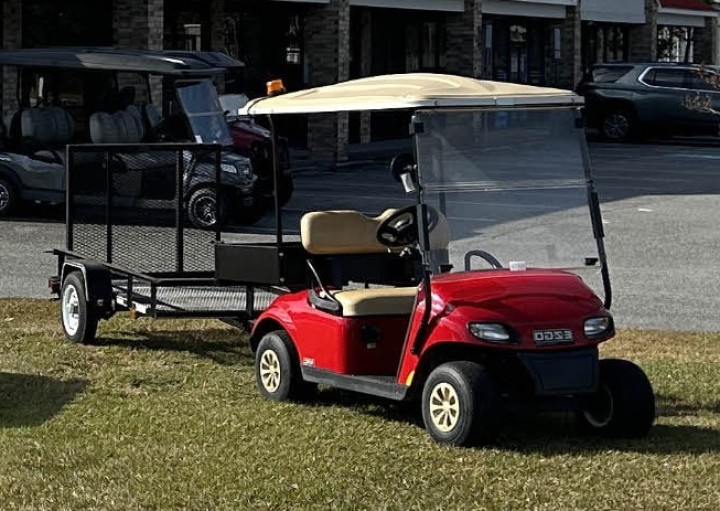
(166, 415)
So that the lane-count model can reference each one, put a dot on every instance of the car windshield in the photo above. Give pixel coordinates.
(512, 184)
(200, 103)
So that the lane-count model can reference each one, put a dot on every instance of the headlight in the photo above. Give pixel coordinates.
(230, 169)
(492, 332)
(597, 326)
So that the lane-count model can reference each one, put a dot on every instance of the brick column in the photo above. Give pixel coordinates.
(643, 38)
(366, 70)
(464, 40)
(138, 25)
(704, 42)
(327, 48)
(12, 38)
(570, 49)
(217, 28)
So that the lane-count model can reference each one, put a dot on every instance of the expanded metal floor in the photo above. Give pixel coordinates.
(197, 299)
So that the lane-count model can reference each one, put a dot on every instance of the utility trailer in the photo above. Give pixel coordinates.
(130, 246)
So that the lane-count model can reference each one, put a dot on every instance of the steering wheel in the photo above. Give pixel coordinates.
(401, 228)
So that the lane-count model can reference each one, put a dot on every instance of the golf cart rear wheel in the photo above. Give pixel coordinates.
(202, 208)
(624, 404)
(461, 404)
(79, 319)
(8, 196)
(277, 369)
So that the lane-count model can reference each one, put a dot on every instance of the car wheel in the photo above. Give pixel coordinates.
(8, 196)
(79, 319)
(617, 125)
(461, 404)
(202, 208)
(624, 404)
(277, 369)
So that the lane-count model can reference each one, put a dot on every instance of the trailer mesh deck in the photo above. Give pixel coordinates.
(211, 301)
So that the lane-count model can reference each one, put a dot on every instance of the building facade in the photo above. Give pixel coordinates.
(317, 42)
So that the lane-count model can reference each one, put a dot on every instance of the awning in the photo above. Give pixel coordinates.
(684, 13)
(613, 11)
(551, 9)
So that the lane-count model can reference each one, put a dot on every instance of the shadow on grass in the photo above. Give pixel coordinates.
(30, 400)
(218, 345)
(548, 433)
(673, 406)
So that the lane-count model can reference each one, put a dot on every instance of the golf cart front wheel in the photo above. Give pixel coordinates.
(624, 404)
(79, 319)
(8, 196)
(461, 404)
(277, 369)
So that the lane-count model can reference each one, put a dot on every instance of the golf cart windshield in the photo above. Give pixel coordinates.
(512, 184)
(200, 103)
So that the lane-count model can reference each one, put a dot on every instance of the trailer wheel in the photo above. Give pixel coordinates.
(79, 319)
(8, 196)
(461, 404)
(624, 404)
(277, 369)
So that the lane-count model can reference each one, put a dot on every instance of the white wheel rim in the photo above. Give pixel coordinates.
(600, 420)
(270, 370)
(71, 310)
(444, 407)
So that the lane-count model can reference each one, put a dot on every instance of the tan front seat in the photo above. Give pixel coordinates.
(351, 232)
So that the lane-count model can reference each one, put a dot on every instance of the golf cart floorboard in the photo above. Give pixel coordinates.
(197, 301)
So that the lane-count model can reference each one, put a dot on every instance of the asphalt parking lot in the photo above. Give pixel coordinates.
(659, 203)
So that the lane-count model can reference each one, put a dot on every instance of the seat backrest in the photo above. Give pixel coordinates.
(122, 127)
(49, 126)
(153, 115)
(351, 232)
(341, 232)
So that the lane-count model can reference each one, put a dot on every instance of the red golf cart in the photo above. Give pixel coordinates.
(474, 296)
(473, 288)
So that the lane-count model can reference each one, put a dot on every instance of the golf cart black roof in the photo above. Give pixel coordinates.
(211, 58)
(109, 59)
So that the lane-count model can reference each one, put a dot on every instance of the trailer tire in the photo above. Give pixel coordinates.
(461, 404)
(624, 404)
(79, 319)
(277, 369)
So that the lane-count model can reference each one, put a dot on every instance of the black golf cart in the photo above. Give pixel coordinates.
(106, 96)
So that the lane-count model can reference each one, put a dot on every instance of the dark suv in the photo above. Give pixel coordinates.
(626, 100)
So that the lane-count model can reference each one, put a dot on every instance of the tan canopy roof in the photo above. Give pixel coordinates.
(412, 90)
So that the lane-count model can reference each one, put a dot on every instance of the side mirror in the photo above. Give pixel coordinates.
(403, 169)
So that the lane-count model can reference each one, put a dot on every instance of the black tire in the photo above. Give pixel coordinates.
(79, 319)
(8, 196)
(618, 125)
(461, 404)
(277, 369)
(202, 208)
(624, 405)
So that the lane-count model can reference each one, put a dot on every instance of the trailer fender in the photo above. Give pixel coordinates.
(98, 289)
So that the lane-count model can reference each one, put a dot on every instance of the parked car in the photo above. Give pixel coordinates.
(630, 100)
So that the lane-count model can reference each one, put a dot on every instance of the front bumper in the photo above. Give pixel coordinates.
(562, 372)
